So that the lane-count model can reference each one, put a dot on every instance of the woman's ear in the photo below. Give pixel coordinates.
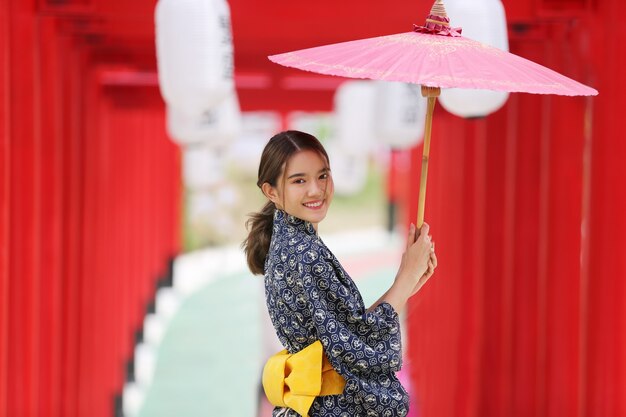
(270, 192)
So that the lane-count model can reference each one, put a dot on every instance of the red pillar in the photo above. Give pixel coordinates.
(5, 168)
(25, 210)
(72, 119)
(603, 385)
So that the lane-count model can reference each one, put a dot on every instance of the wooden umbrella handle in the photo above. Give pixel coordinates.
(431, 93)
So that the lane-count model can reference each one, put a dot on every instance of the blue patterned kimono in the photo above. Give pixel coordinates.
(311, 297)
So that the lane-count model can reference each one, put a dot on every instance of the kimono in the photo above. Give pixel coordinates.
(310, 297)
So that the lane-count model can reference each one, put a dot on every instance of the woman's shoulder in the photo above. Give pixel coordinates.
(292, 232)
(299, 246)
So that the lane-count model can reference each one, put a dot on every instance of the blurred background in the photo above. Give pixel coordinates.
(130, 136)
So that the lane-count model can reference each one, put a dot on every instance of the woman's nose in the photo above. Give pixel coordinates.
(315, 189)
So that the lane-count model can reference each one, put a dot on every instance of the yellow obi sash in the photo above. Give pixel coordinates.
(294, 380)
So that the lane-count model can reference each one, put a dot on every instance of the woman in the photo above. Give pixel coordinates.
(309, 295)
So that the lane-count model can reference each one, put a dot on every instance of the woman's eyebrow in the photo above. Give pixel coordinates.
(300, 174)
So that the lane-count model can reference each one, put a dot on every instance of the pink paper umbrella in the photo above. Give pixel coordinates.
(436, 56)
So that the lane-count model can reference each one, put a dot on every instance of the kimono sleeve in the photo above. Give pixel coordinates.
(356, 342)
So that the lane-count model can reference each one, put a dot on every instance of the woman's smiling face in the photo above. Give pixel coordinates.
(306, 187)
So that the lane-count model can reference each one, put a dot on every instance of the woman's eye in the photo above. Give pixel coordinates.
(299, 181)
(324, 177)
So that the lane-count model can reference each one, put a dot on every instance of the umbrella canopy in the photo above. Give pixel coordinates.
(435, 61)
(436, 56)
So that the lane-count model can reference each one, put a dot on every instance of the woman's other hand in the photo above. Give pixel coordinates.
(419, 260)
(432, 265)
(418, 265)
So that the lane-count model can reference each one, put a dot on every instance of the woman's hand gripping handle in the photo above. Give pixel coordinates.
(419, 260)
(418, 265)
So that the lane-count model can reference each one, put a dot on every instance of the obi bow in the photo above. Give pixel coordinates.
(294, 380)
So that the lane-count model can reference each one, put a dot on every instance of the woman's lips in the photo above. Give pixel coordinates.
(314, 205)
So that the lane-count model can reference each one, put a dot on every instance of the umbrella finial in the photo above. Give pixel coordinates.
(438, 22)
(439, 9)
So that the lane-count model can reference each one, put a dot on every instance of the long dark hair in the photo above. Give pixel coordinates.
(277, 152)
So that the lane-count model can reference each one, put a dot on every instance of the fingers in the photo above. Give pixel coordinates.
(419, 251)
(432, 265)
(414, 235)
(430, 270)
(425, 237)
(429, 273)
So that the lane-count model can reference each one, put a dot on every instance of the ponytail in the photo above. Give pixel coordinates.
(257, 244)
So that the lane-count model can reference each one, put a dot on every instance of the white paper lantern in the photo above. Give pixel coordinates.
(354, 116)
(217, 126)
(483, 21)
(349, 169)
(194, 53)
(202, 167)
(400, 114)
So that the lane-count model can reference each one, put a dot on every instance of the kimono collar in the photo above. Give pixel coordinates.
(281, 216)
